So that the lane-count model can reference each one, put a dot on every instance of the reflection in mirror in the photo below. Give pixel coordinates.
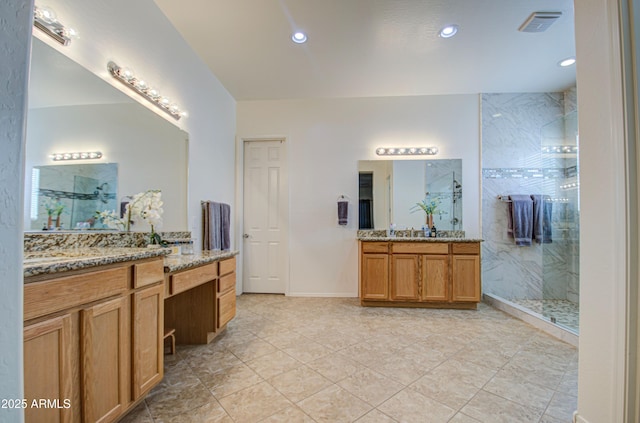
(71, 109)
(68, 196)
(390, 189)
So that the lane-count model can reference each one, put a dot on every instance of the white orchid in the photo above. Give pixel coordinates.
(148, 206)
(111, 219)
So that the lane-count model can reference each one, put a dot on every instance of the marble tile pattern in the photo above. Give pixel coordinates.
(563, 312)
(46, 240)
(174, 263)
(514, 127)
(286, 359)
(64, 260)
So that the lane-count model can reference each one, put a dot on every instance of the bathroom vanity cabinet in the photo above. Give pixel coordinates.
(200, 300)
(93, 340)
(439, 274)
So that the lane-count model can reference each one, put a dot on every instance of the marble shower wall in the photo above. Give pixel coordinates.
(513, 163)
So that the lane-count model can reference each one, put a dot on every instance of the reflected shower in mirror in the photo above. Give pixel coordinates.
(390, 189)
(68, 196)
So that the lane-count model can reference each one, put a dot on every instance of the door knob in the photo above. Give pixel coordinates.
(245, 236)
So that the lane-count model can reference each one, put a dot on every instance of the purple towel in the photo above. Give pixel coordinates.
(522, 217)
(542, 210)
(343, 212)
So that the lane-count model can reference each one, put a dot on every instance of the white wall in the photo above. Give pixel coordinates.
(602, 182)
(14, 50)
(137, 35)
(325, 140)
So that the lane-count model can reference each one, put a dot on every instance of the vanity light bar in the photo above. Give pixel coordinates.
(141, 87)
(560, 149)
(406, 151)
(76, 156)
(45, 20)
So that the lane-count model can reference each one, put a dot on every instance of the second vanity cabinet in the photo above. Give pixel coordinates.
(93, 341)
(420, 274)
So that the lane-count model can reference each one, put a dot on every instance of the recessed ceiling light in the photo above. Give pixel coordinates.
(299, 37)
(448, 31)
(567, 62)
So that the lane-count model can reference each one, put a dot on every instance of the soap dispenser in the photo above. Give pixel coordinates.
(434, 232)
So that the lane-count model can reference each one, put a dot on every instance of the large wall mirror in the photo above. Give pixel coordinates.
(390, 189)
(73, 110)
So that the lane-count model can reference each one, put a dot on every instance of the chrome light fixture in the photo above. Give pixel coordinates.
(406, 151)
(141, 87)
(45, 20)
(91, 155)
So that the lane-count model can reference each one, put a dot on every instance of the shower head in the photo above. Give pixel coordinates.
(456, 184)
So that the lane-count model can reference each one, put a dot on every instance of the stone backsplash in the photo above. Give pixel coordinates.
(41, 241)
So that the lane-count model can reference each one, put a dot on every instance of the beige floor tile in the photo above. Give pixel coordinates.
(462, 418)
(370, 386)
(335, 367)
(230, 380)
(491, 408)
(334, 405)
(366, 353)
(273, 364)
(375, 416)
(562, 406)
(291, 414)
(409, 406)
(178, 398)
(307, 352)
(212, 412)
(252, 349)
(140, 414)
(401, 368)
(452, 391)
(286, 339)
(520, 391)
(212, 361)
(473, 374)
(254, 403)
(299, 383)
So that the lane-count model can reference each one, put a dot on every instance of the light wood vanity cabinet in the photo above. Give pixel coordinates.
(374, 270)
(200, 301)
(93, 340)
(420, 274)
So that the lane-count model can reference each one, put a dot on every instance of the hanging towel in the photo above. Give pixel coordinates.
(343, 212)
(542, 212)
(225, 226)
(522, 217)
(365, 214)
(216, 219)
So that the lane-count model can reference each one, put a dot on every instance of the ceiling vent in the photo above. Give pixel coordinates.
(539, 21)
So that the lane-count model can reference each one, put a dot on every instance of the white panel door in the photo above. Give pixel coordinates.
(265, 217)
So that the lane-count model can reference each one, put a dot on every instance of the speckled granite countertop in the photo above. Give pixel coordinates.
(64, 260)
(182, 262)
(416, 239)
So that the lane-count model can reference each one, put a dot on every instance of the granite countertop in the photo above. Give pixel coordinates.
(64, 260)
(416, 239)
(187, 261)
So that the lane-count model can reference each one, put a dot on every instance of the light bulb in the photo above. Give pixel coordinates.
(299, 37)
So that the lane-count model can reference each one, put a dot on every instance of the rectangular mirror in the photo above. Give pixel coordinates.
(390, 189)
(73, 110)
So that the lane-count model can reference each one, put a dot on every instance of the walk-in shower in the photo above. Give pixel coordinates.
(530, 148)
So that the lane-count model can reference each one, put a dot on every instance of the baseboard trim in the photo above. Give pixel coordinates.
(323, 294)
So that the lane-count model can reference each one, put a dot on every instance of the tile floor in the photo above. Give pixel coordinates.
(288, 359)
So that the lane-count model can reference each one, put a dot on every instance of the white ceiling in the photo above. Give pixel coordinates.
(364, 48)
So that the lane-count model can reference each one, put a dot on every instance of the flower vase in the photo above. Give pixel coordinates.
(430, 221)
(58, 222)
(49, 222)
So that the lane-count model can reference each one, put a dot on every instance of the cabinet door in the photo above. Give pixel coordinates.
(148, 333)
(48, 369)
(466, 278)
(226, 307)
(104, 360)
(404, 277)
(435, 278)
(374, 282)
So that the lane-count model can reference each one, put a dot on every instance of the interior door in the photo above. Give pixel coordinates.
(265, 217)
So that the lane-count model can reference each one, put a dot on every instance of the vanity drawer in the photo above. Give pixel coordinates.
(227, 282)
(226, 307)
(50, 296)
(466, 248)
(227, 266)
(188, 279)
(375, 247)
(148, 273)
(420, 247)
